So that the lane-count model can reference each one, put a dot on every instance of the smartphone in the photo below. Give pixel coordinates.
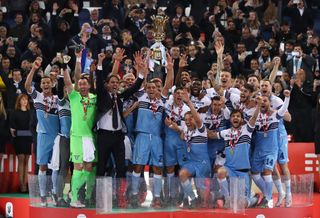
(248, 52)
(102, 50)
(295, 53)
(15, 39)
(296, 1)
(68, 10)
(281, 46)
(279, 73)
(58, 54)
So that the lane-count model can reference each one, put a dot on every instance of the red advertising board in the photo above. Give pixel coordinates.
(301, 155)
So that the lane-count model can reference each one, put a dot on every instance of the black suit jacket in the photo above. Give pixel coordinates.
(104, 100)
(306, 64)
(12, 89)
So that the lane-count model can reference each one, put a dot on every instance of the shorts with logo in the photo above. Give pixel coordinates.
(76, 149)
(148, 149)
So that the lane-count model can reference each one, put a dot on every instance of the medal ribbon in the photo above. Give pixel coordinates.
(215, 120)
(85, 106)
(188, 138)
(265, 125)
(234, 138)
(47, 104)
(154, 106)
(173, 113)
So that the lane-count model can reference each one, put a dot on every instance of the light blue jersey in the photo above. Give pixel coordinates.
(197, 158)
(276, 104)
(148, 146)
(64, 117)
(48, 124)
(150, 115)
(173, 145)
(47, 113)
(237, 147)
(130, 119)
(266, 142)
(216, 123)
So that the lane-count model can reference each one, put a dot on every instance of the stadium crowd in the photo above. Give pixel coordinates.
(81, 85)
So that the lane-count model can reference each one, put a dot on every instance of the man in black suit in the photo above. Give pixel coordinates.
(14, 87)
(110, 121)
(301, 16)
(301, 61)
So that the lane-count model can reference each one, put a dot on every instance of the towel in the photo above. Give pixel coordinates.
(88, 149)
(128, 150)
(55, 159)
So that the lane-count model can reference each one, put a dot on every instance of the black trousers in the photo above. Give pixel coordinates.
(111, 142)
(64, 163)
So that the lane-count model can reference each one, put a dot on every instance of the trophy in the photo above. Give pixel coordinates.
(158, 49)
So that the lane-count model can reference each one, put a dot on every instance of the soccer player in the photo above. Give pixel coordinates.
(238, 140)
(276, 103)
(247, 104)
(82, 139)
(64, 143)
(216, 119)
(48, 124)
(200, 100)
(173, 146)
(266, 147)
(148, 143)
(197, 162)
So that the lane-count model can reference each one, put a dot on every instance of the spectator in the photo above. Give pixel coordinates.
(19, 30)
(3, 126)
(300, 108)
(113, 10)
(301, 61)
(301, 16)
(248, 39)
(22, 137)
(14, 87)
(198, 61)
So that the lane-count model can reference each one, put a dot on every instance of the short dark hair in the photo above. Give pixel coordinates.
(253, 75)
(83, 76)
(178, 88)
(16, 70)
(248, 87)
(236, 111)
(111, 76)
(216, 98)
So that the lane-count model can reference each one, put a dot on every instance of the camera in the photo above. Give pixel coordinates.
(77, 47)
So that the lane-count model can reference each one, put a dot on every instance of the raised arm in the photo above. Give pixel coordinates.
(193, 111)
(273, 74)
(67, 81)
(118, 57)
(281, 112)
(77, 70)
(219, 50)
(253, 119)
(100, 89)
(169, 79)
(35, 66)
(141, 67)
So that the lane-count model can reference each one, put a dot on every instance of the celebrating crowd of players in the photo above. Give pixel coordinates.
(82, 86)
(188, 131)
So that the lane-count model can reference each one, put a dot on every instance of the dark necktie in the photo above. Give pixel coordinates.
(114, 112)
